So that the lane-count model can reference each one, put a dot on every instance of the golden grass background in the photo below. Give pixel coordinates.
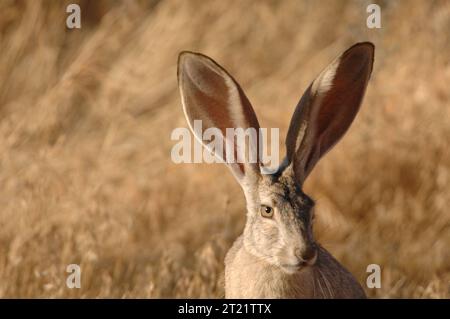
(85, 123)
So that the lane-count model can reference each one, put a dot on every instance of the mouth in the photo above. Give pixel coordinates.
(292, 268)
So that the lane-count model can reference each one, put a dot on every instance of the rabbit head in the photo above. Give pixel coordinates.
(279, 214)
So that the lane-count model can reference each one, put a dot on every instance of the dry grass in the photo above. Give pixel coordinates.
(85, 122)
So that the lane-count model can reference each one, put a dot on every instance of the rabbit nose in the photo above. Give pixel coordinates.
(307, 255)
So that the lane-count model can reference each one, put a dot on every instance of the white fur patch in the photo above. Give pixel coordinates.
(324, 81)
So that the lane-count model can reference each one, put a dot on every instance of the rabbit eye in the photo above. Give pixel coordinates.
(266, 211)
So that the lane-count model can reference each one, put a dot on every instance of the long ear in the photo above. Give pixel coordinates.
(328, 107)
(211, 95)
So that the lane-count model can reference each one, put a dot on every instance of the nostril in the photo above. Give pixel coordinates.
(309, 254)
(306, 256)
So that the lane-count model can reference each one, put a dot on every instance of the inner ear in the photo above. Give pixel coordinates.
(328, 107)
(211, 95)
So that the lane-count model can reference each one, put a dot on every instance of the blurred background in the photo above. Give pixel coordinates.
(85, 121)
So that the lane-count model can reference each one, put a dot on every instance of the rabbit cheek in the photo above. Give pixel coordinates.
(265, 236)
(268, 232)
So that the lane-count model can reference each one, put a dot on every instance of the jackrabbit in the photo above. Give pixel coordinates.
(276, 256)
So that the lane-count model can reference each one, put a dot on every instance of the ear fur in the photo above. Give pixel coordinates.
(328, 107)
(210, 94)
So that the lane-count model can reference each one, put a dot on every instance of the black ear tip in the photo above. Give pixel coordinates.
(366, 44)
(363, 48)
(362, 54)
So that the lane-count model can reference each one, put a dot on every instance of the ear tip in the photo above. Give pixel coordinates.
(367, 48)
(184, 59)
(191, 56)
(185, 56)
(186, 53)
(190, 60)
(361, 53)
(366, 44)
